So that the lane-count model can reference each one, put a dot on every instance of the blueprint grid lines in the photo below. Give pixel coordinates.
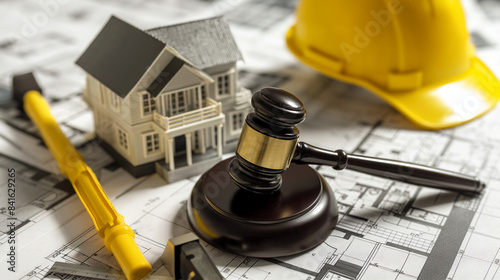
(397, 239)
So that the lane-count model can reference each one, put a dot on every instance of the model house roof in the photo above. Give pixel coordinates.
(120, 54)
(205, 43)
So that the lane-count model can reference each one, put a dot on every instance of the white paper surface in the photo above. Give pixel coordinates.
(387, 230)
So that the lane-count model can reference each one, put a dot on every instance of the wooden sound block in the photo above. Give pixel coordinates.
(298, 216)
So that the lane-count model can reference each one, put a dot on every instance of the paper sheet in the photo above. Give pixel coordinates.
(387, 230)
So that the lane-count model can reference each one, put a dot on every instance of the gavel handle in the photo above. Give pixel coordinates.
(397, 170)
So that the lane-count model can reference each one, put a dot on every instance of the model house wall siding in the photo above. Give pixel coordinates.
(135, 108)
(184, 78)
(104, 125)
(138, 132)
(97, 101)
(135, 132)
(130, 108)
(114, 104)
(109, 122)
(92, 90)
(128, 140)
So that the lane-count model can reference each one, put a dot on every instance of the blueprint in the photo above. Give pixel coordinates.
(386, 229)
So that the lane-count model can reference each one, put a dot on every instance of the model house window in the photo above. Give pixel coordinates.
(203, 92)
(223, 88)
(177, 103)
(172, 103)
(224, 84)
(151, 143)
(115, 100)
(237, 121)
(180, 100)
(123, 139)
(148, 104)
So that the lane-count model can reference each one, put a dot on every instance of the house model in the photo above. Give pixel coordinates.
(167, 99)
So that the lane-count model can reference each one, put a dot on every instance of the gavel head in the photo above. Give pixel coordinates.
(268, 140)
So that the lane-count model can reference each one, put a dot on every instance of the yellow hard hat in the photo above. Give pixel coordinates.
(414, 54)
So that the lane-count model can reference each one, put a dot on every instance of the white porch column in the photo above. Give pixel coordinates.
(171, 154)
(212, 138)
(167, 149)
(201, 140)
(189, 151)
(200, 104)
(219, 139)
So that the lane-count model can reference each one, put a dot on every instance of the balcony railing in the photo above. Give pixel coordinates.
(212, 109)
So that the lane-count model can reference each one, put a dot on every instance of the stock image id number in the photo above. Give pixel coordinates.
(11, 191)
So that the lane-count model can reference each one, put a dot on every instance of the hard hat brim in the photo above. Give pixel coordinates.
(450, 103)
(438, 106)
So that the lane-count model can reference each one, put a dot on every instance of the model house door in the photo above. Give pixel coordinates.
(180, 145)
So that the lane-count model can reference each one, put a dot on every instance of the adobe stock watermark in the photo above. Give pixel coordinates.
(218, 182)
(226, 5)
(33, 24)
(479, 100)
(372, 28)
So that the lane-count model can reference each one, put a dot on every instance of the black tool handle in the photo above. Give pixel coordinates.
(194, 263)
(392, 169)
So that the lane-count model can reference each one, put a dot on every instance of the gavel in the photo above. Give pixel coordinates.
(268, 144)
(267, 202)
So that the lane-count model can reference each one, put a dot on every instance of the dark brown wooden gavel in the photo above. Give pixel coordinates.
(268, 144)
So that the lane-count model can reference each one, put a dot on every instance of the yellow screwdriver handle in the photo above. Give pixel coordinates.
(118, 237)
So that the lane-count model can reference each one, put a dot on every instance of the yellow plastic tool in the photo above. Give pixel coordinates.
(118, 237)
(416, 55)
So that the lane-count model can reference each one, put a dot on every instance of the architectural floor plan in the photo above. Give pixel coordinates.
(386, 229)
